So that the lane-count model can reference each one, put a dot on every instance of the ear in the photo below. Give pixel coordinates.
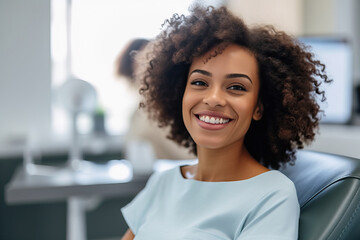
(258, 113)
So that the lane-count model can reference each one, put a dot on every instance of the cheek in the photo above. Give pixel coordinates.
(188, 103)
(246, 108)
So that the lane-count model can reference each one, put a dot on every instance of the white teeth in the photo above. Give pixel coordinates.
(213, 120)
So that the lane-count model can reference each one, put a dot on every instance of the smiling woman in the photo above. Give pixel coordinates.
(240, 98)
(221, 94)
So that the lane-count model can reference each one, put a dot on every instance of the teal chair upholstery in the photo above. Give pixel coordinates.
(328, 189)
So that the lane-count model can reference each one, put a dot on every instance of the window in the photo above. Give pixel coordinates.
(336, 54)
(99, 31)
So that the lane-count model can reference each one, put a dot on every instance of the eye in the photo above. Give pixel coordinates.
(237, 87)
(198, 83)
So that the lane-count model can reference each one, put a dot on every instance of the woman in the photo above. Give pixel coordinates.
(243, 100)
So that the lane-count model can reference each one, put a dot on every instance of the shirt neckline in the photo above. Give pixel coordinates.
(180, 176)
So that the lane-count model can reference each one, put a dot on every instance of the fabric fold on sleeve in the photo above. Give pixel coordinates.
(274, 219)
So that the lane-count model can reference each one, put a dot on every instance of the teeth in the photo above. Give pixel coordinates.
(213, 120)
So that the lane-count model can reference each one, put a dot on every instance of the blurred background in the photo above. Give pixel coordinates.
(43, 42)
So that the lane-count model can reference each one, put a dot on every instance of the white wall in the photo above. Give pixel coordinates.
(319, 17)
(335, 17)
(285, 15)
(309, 17)
(25, 75)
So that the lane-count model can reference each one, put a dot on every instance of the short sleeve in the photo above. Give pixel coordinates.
(135, 212)
(276, 217)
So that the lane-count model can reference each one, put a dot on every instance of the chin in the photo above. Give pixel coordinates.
(209, 143)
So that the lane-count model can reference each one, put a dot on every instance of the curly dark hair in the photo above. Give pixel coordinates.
(289, 80)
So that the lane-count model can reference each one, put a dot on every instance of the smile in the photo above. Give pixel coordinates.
(213, 120)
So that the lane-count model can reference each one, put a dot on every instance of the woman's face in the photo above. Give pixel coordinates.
(221, 97)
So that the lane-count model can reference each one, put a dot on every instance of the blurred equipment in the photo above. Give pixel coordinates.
(358, 98)
(81, 182)
(76, 96)
(83, 189)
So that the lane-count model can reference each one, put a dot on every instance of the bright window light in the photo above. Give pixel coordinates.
(100, 29)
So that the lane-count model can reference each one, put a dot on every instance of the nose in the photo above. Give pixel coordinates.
(214, 97)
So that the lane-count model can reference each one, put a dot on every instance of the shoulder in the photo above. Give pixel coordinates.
(275, 188)
(273, 212)
(282, 183)
(276, 180)
(275, 198)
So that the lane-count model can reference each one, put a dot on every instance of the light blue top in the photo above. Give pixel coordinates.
(170, 207)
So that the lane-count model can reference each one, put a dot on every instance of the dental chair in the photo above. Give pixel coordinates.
(328, 189)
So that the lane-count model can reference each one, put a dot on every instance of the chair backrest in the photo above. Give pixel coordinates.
(328, 189)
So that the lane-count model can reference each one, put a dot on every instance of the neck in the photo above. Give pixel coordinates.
(228, 164)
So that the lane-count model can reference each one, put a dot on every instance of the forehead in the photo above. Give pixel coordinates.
(233, 59)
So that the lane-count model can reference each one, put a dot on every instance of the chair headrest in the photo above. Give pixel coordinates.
(314, 171)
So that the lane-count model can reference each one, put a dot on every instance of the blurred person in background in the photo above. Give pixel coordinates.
(141, 128)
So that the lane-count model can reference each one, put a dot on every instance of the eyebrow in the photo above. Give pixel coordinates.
(203, 72)
(238, 75)
(231, 75)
